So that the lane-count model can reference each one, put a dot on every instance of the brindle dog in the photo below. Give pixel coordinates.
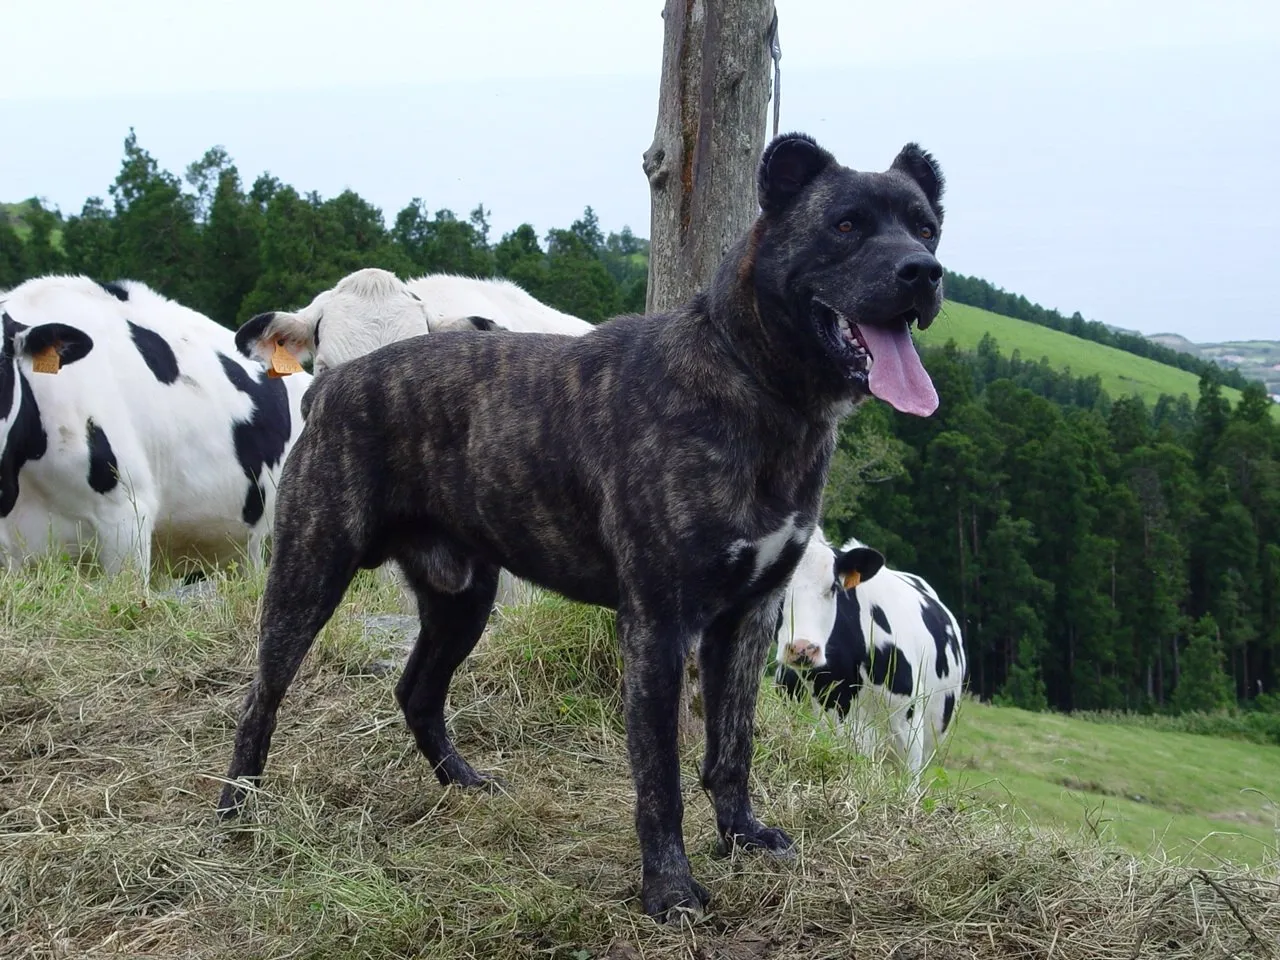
(669, 467)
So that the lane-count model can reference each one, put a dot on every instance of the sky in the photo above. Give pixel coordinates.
(1116, 158)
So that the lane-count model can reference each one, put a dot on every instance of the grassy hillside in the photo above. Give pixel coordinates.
(1151, 791)
(17, 215)
(116, 717)
(1122, 373)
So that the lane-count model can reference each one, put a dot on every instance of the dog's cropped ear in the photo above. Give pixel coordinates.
(258, 338)
(857, 566)
(920, 166)
(787, 166)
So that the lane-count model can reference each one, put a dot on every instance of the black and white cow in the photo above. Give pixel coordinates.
(877, 645)
(128, 419)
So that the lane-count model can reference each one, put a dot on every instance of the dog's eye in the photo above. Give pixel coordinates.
(845, 226)
(926, 232)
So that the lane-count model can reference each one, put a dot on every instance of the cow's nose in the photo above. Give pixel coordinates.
(919, 273)
(801, 653)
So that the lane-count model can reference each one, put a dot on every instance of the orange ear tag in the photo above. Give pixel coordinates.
(852, 579)
(47, 360)
(283, 362)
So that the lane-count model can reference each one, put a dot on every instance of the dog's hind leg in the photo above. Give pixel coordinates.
(731, 658)
(304, 587)
(451, 622)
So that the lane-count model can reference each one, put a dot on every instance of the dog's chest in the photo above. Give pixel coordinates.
(761, 563)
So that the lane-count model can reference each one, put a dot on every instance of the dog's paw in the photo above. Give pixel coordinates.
(482, 782)
(488, 783)
(756, 836)
(231, 803)
(668, 898)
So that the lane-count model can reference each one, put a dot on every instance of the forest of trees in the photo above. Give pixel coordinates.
(1100, 554)
(228, 252)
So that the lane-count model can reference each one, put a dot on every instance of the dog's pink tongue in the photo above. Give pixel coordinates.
(897, 375)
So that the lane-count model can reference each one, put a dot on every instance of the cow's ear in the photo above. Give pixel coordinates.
(52, 346)
(856, 566)
(260, 336)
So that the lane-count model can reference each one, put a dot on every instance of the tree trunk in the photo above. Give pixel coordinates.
(710, 134)
(701, 166)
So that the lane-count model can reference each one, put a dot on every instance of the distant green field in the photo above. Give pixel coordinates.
(14, 213)
(1148, 790)
(1122, 373)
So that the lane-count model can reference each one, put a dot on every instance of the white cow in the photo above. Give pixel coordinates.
(877, 645)
(453, 299)
(372, 308)
(128, 419)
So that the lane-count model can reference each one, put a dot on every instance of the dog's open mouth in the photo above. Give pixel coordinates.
(880, 358)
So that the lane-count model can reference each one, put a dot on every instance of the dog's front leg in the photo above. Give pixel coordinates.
(731, 663)
(653, 661)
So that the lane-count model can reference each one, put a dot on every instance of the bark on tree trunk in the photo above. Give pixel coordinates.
(701, 166)
(710, 133)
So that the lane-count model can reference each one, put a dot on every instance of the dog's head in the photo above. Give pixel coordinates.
(846, 260)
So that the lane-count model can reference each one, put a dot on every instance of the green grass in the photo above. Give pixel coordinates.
(1152, 791)
(117, 712)
(1121, 373)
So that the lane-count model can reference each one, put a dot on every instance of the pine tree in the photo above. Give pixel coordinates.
(1203, 686)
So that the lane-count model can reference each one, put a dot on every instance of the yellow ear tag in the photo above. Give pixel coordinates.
(47, 360)
(852, 579)
(283, 362)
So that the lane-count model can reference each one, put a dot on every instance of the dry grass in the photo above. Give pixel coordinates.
(116, 720)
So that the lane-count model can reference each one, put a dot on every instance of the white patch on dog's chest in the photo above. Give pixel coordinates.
(769, 548)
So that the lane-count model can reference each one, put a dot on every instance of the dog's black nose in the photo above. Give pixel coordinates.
(919, 272)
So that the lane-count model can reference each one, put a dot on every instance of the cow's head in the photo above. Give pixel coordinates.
(809, 611)
(42, 349)
(365, 310)
(27, 352)
(844, 263)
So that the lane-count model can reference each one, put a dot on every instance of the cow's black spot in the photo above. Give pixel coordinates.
(948, 709)
(911, 712)
(915, 582)
(117, 291)
(790, 681)
(8, 381)
(26, 441)
(889, 668)
(881, 620)
(260, 440)
(936, 621)
(156, 352)
(104, 472)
